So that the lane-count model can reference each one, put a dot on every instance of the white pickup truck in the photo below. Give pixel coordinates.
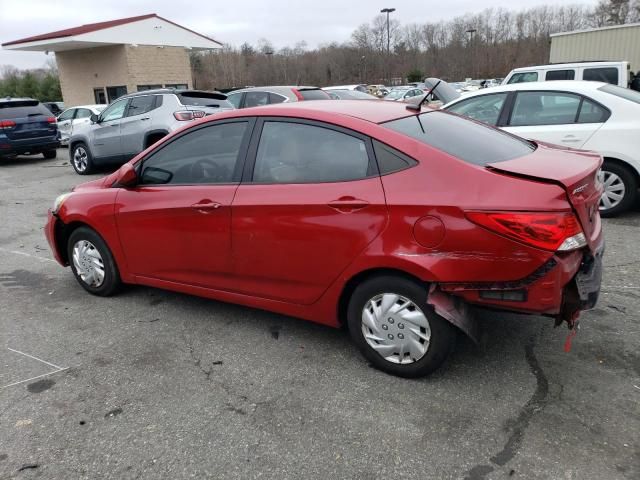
(616, 73)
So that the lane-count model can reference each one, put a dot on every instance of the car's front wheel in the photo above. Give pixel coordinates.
(620, 188)
(92, 262)
(396, 330)
(81, 159)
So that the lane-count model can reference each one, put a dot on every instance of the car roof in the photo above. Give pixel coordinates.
(17, 99)
(275, 88)
(344, 87)
(568, 65)
(565, 85)
(90, 107)
(176, 91)
(373, 110)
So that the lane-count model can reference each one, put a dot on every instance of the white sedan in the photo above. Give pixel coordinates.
(587, 115)
(72, 118)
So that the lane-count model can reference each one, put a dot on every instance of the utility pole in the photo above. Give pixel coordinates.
(471, 33)
(388, 11)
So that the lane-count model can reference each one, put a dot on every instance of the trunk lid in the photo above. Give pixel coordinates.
(574, 170)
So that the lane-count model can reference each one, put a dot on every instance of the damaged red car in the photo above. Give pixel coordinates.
(396, 223)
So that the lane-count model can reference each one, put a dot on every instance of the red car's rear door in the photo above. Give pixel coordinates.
(313, 202)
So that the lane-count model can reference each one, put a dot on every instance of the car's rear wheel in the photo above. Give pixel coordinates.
(81, 159)
(396, 330)
(49, 154)
(620, 188)
(92, 262)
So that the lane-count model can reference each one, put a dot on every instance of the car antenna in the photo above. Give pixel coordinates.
(418, 107)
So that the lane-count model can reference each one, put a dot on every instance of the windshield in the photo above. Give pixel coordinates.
(482, 144)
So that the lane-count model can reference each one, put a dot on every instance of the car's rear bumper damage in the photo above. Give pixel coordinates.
(562, 288)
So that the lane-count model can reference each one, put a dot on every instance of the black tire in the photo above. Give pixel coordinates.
(630, 181)
(443, 334)
(111, 282)
(83, 164)
(49, 154)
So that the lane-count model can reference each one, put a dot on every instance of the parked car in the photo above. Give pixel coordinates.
(54, 107)
(134, 122)
(378, 90)
(588, 115)
(616, 73)
(443, 93)
(259, 96)
(336, 94)
(27, 127)
(73, 118)
(357, 87)
(401, 94)
(357, 213)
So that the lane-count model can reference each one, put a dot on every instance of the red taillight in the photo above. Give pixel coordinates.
(549, 231)
(297, 93)
(52, 120)
(7, 124)
(186, 115)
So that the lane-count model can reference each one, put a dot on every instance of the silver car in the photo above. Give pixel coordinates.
(136, 121)
(72, 118)
(258, 96)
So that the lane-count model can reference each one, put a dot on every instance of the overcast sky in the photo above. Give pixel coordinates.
(280, 21)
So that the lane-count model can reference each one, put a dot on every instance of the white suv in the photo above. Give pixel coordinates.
(616, 73)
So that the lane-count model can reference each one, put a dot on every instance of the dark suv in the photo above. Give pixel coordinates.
(27, 127)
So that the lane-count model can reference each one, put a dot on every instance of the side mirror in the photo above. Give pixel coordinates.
(127, 176)
(94, 118)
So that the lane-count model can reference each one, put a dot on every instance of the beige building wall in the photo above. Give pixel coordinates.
(82, 71)
(151, 65)
(616, 43)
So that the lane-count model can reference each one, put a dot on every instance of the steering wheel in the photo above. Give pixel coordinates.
(207, 169)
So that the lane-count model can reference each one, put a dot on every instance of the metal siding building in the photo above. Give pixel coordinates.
(619, 42)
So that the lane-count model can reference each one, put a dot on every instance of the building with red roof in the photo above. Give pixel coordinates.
(99, 62)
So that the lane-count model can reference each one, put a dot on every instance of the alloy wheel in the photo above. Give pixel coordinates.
(396, 328)
(88, 263)
(80, 159)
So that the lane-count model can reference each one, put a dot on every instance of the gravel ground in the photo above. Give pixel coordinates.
(153, 384)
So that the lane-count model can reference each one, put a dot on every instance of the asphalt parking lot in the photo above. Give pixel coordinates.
(153, 384)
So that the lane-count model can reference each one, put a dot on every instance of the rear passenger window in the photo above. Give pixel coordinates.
(591, 112)
(83, 113)
(275, 98)
(300, 153)
(391, 160)
(256, 99)
(544, 108)
(605, 74)
(560, 75)
(140, 105)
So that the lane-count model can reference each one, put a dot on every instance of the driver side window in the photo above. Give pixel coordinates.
(115, 111)
(485, 108)
(207, 155)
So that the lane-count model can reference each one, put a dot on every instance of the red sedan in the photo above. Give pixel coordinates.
(368, 214)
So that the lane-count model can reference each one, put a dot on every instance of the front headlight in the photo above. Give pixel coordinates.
(59, 201)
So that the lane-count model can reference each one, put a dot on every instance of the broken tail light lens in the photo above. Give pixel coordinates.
(187, 115)
(554, 231)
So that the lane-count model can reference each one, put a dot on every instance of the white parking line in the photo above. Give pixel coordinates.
(57, 369)
(24, 254)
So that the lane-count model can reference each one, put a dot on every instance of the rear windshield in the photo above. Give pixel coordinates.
(204, 99)
(314, 94)
(467, 140)
(625, 93)
(22, 109)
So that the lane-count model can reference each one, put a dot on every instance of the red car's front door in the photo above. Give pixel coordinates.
(176, 224)
(313, 203)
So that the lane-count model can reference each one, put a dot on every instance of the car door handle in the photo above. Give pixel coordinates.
(570, 139)
(206, 206)
(145, 118)
(348, 204)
